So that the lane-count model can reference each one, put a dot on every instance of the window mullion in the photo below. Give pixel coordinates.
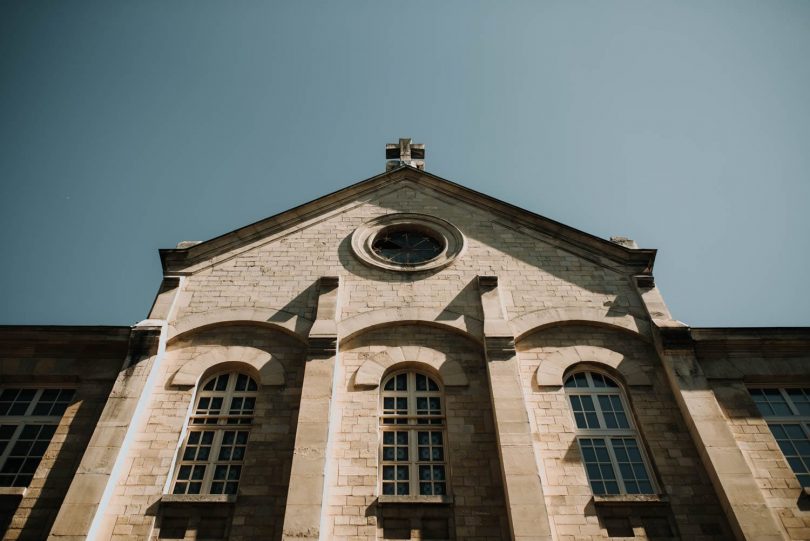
(413, 449)
(29, 410)
(11, 442)
(598, 409)
(615, 463)
(212, 460)
(788, 401)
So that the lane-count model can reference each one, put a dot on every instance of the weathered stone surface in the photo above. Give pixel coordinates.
(524, 303)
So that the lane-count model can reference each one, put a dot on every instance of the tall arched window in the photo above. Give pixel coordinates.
(213, 452)
(413, 436)
(608, 441)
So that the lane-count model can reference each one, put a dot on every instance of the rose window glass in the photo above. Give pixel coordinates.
(407, 246)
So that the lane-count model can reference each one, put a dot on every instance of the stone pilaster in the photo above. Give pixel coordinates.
(528, 516)
(305, 499)
(733, 481)
(86, 491)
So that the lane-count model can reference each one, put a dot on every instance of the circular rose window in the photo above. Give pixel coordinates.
(407, 242)
(406, 246)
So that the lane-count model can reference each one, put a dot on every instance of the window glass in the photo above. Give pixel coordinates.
(412, 454)
(787, 411)
(607, 440)
(28, 420)
(213, 453)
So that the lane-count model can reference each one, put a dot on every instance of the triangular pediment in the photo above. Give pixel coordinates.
(397, 182)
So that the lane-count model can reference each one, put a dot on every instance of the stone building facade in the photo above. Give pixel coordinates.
(405, 359)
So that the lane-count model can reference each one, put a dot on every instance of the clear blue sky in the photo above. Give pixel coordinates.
(129, 126)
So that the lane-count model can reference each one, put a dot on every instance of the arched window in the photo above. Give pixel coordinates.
(413, 436)
(213, 452)
(608, 441)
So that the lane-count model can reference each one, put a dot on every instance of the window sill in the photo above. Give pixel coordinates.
(12, 492)
(433, 500)
(630, 499)
(197, 498)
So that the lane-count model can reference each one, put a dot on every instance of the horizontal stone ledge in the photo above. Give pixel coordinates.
(410, 500)
(177, 499)
(12, 492)
(630, 499)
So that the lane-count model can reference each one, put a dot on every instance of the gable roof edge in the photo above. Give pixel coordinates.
(175, 260)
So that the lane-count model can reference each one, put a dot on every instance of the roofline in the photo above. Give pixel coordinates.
(65, 328)
(174, 259)
(708, 334)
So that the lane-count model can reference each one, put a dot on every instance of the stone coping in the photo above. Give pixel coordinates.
(197, 498)
(386, 499)
(630, 499)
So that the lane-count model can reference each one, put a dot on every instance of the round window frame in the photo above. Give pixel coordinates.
(440, 230)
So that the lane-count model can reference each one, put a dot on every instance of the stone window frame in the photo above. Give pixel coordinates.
(450, 236)
(799, 459)
(212, 430)
(412, 423)
(16, 440)
(629, 435)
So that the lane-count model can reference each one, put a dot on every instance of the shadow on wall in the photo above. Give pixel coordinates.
(265, 478)
(38, 522)
(532, 248)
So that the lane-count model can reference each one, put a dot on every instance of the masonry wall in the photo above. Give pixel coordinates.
(692, 510)
(731, 374)
(236, 304)
(136, 512)
(533, 271)
(65, 358)
(477, 512)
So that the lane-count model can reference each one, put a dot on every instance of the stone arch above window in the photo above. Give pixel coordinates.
(268, 370)
(554, 365)
(371, 372)
(526, 324)
(271, 318)
(466, 326)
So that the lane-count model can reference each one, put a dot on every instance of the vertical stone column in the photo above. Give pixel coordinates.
(84, 497)
(305, 497)
(737, 489)
(528, 516)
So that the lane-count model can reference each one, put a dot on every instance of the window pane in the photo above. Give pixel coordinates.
(584, 406)
(632, 468)
(224, 400)
(402, 382)
(577, 381)
(613, 411)
(16, 401)
(411, 447)
(26, 452)
(800, 400)
(794, 445)
(421, 382)
(598, 466)
(770, 402)
(598, 380)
